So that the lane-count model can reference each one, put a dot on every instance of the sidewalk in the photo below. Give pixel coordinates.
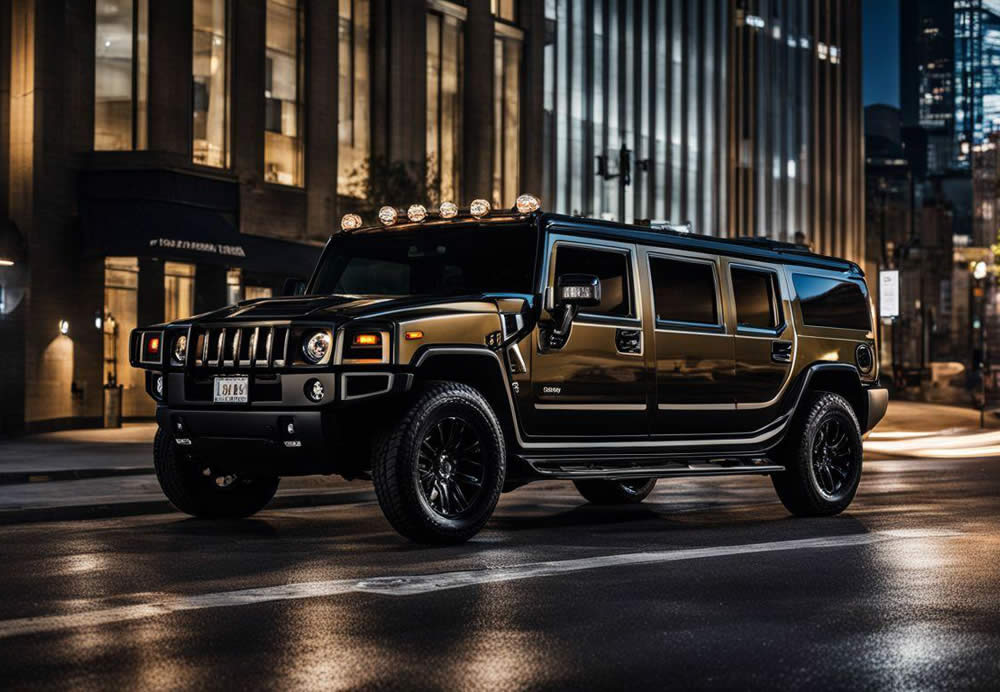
(100, 473)
(79, 474)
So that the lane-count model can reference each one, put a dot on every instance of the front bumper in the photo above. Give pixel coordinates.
(878, 402)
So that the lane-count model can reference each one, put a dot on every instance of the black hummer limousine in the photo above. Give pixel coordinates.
(453, 355)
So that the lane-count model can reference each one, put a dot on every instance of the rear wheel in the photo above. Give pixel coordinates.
(600, 492)
(195, 488)
(822, 458)
(439, 472)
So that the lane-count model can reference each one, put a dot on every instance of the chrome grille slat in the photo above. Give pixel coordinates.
(239, 346)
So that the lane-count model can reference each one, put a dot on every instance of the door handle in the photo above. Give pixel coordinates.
(781, 351)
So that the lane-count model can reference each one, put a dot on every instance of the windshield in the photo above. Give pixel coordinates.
(452, 260)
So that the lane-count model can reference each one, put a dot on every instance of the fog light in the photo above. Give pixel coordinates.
(315, 390)
(479, 208)
(416, 213)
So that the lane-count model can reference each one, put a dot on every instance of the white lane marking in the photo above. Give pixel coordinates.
(414, 585)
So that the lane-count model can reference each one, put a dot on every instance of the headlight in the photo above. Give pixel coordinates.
(181, 349)
(316, 347)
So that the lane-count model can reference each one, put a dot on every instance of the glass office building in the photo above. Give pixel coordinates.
(741, 118)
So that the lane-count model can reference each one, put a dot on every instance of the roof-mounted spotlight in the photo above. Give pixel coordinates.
(416, 213)
(479, 208)
(448, 210)
(388, 216)
(350, 222)
(526, 204)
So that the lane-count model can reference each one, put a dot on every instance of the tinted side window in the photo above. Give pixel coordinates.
(756, 298)
(683, 291)
(607, 265)
(831, 303)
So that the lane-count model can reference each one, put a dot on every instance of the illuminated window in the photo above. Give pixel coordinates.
(178, 291)
(121, 67)
(444, 103)
(504, 9)
(121, 283)
(210, 67)
(353, 92)
(506, 120)
(256, 292)
(234, 286)
(283, 93)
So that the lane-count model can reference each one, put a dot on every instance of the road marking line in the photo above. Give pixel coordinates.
(414, 585)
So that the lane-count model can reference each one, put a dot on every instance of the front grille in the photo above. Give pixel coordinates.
(239, 347)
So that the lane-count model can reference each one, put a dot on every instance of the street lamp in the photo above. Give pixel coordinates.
(979, 271)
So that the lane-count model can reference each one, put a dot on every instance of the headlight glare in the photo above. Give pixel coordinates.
(181, 349)
(317, 347)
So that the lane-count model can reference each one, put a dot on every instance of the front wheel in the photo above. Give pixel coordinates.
(195, 489)
(630, 492)
(439, 471)
(822, 458)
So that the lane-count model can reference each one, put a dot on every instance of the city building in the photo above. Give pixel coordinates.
(160, 158)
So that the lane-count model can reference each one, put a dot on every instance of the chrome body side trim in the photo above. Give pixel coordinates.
(590, 407)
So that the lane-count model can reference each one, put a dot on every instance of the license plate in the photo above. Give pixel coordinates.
(231, 390)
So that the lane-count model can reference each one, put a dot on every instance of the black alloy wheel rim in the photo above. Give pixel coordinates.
(450, 467)
(833, 458)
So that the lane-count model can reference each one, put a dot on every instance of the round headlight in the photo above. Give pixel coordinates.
(316, 347)
(181, 349)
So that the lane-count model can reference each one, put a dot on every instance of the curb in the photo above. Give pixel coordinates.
(18, 477)
(129, 509)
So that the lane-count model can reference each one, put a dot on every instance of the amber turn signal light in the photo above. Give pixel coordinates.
(367, 339)
(413, 336)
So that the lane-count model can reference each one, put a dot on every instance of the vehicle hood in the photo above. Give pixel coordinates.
(341, 308)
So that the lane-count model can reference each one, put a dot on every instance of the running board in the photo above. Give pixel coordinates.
(577, 468)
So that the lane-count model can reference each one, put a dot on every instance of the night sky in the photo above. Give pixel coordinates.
(880, 39)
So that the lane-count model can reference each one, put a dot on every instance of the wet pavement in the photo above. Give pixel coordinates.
(707, 584)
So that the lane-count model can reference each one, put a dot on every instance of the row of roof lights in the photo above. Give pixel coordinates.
(389, 216)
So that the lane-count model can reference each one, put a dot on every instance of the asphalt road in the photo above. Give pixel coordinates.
(708, 584)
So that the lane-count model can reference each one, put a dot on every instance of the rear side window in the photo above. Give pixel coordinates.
(756, 294)
(831, 303)
(610, 266)
(684, 291)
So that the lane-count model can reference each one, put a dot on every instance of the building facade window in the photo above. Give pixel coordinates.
(353, 94)
(178, 291)
(506, 119)
(284, 93)
(504, 9)
(210, 97)
(445, 62)
(257, 292)
(121, 282)
(234, 286)
(121, 68)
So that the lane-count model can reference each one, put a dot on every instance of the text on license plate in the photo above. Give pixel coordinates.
(230, 390)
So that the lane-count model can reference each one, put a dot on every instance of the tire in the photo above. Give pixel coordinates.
(630, 492)
(187, 487)
(448, 438)
(822, 458)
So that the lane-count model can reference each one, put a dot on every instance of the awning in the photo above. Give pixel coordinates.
(187, 233)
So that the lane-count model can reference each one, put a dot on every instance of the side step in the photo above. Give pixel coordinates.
(571, 468)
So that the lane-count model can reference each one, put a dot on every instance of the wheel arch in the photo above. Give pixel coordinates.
(479, 368)
(842, 379)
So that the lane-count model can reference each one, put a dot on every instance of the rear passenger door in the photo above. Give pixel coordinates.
(693, 351)
(764, 339)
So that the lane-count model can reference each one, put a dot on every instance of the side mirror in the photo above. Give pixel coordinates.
(572, 292)
(578, 290)
(293, 287)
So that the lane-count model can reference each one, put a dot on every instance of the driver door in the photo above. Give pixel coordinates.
(597, 384)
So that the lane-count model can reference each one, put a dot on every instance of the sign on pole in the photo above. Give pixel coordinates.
(888, 294)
